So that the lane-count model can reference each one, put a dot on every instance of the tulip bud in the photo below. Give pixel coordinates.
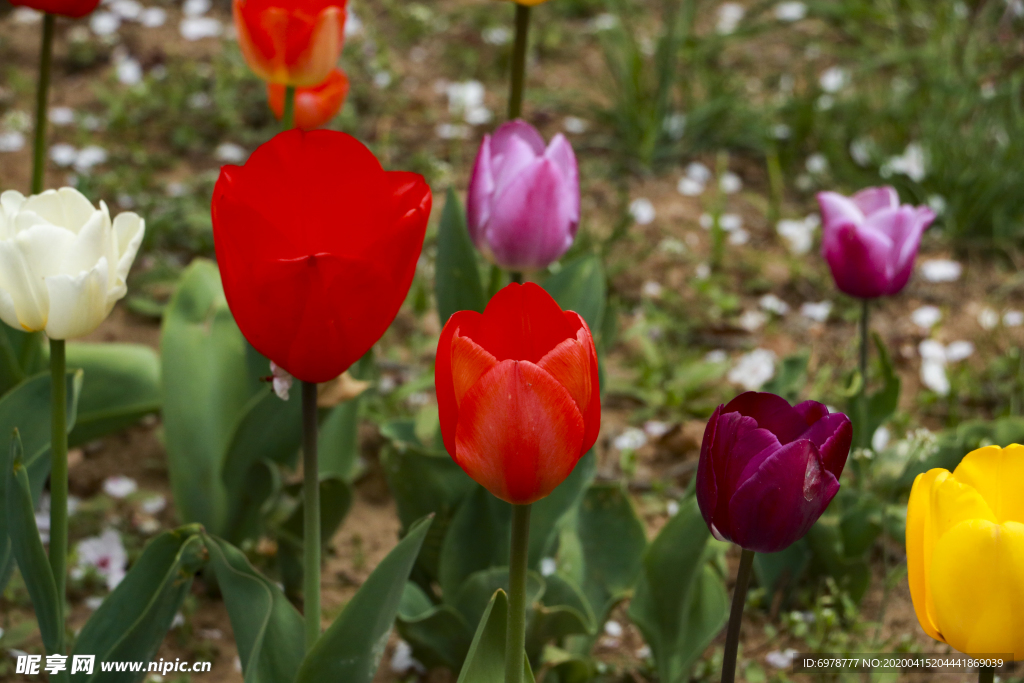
(965, 552)
(74, 9)
(870, 240)
(290, 43)
(313, 106)
(518, 393)
(768, 470)
(63, 263)
(524, 199)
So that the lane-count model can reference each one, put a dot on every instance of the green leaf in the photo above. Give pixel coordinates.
(350, 650)
(549, 514)
(476, 539)
(120, 386)
(474, 593)
(612, 541)
(335, 501)
(457, 285)
(563, 611)
(870, 411)
(438, 634)
(27, 409)
(19, 356)
(133, 620)
(262, 484)
(207, 386)
(782, 571)
(268, 630)
(485, 662)
(791, 378)
(339, 440)
(581, 286)
(829, 558)
(27, 548)
(680, 605)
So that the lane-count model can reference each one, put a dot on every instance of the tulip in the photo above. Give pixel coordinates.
(313, 106)
(63, 262)
(290, 43)
(518, 393)
(74, 9)
(524, 198)
(965, 552)
(768, 470)
(870, 240)
(317, 246)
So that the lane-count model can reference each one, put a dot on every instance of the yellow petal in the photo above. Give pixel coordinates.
(918, 513)
(954, 502)
(998, 475)
(977, 585)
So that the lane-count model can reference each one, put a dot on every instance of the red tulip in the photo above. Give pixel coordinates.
(292, 42)
(518, 393)
(66, 8)
(313, 106)
(317, 246)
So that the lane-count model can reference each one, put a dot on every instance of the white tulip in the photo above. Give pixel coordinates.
(63, 262)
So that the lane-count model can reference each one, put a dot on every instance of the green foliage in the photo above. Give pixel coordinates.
(870, 410)
(457, 285)
(485, 661)
(581, 286)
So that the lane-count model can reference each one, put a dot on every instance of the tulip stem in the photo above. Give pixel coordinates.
(515, 637)
(515, 98)
(42, 97)
(515, 276)
(288, 117)
(739, 599)
(865, 313)
(986, 674)
(311, 516)
(58, 477)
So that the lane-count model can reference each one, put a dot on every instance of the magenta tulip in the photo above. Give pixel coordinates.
(870, 240)
(524, 198)
(768, 470)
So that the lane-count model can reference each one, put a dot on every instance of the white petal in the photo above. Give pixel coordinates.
(24, 263)
(66, 207)
(129, 230)
(93, 242)
(78, 304)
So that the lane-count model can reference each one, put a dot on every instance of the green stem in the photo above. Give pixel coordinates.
(775, 184)
(986, 674)
(515, 276)
(311, 516)
(515, 97)
(58, 476)
(496, 278)
(865, 313)
(42, 97)
(515, 637)
(288, 118)
(739, 599)
(717, 233)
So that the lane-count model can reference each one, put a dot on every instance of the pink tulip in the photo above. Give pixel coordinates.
(870, 240)
(524, 198)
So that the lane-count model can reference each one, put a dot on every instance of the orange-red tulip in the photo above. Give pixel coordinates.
(518, 393)
(313, 106)
(66, 8)
(291, 42)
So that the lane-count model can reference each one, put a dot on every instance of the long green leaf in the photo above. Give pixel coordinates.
(339, 440)
(581, 286)
(268, 630)
(457, 285)
(350, 650)
(132, 622)
(485, 662)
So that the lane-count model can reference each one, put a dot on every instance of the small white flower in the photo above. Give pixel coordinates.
(642, 211)
(730, 14)
(153, 17)
(126, 9)
(959, 350)
(61, 116)
(834, 79)
(926, 317)
(730, 222)
(797, 234)
(630, 440)
(941, 270)
(753, 369)
(656, 428)
(195, 8)
(1013, 318)
(672, 508)
(880, 439)
(613, 628)
(671, 245)
(702, 271)
(752, 321)
(911, 163)
(154, 504)
(933, 376)
(790, 11)
(26, 15)
(698, 172)
(716, 356)
(282, 381)
(604, 22)
(63, 154)
(353, 24)
(90, 156)
(11, 141)
(197, 28)
(675, 125)
(780, 659)
(382, 79)
(818, 312)
(774, 304)
(932, 350)
(119, 486)
(781, 131)
(862, 150)
(178, 621)
(93, 602)
(816, 164)
(452, 131)
(403, 661)
(104, 23)
(230, 153)
(497, 35)
(129, 71)
(730, 183)
(105, 554)
(548, 566)
(652, 289)
(937, 203)
(706, 221)
(988, 318)
(688, 187)
(643, 652)
(575, 125)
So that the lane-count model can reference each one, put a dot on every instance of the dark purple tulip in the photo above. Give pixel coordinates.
(768, 470)
(870, 240)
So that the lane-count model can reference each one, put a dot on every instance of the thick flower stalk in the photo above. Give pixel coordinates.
(523, 208)
(290, 43)
(314, 106)
(965, 552)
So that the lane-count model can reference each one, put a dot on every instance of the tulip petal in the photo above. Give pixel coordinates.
(953, 502)
(519, 432)
(919, 549)
(522, 322)
(592, 412)
(779, 502)
(78, 304)
(833, 435)
(836, 209)
(469, 362)
(569, 364)
(707, 486)
(811, 411)
(978, 587)
(481, 190)
(129, 230)
(996, 474)
(872, 199)
(66, 207)
(513, 133)
(859, 259)
(447, 404)
(25, 261)
(771, 412)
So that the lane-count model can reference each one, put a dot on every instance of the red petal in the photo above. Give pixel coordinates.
(522, 322)
(519, 432)
(469, 362)
(447, 405)
(592, 412)
(569, 364)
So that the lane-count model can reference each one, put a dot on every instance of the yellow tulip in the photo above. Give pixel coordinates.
(965, 552)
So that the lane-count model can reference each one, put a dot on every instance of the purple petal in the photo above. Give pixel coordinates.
(874, 199)
(481, 192)
(836, 448)
(560, 152)
(771, 412)
(837, 209)
(859, 260)
(520, 131)
(706, 484)
(511, 162)
(811, 411)
(916, 221)
(779, 502)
